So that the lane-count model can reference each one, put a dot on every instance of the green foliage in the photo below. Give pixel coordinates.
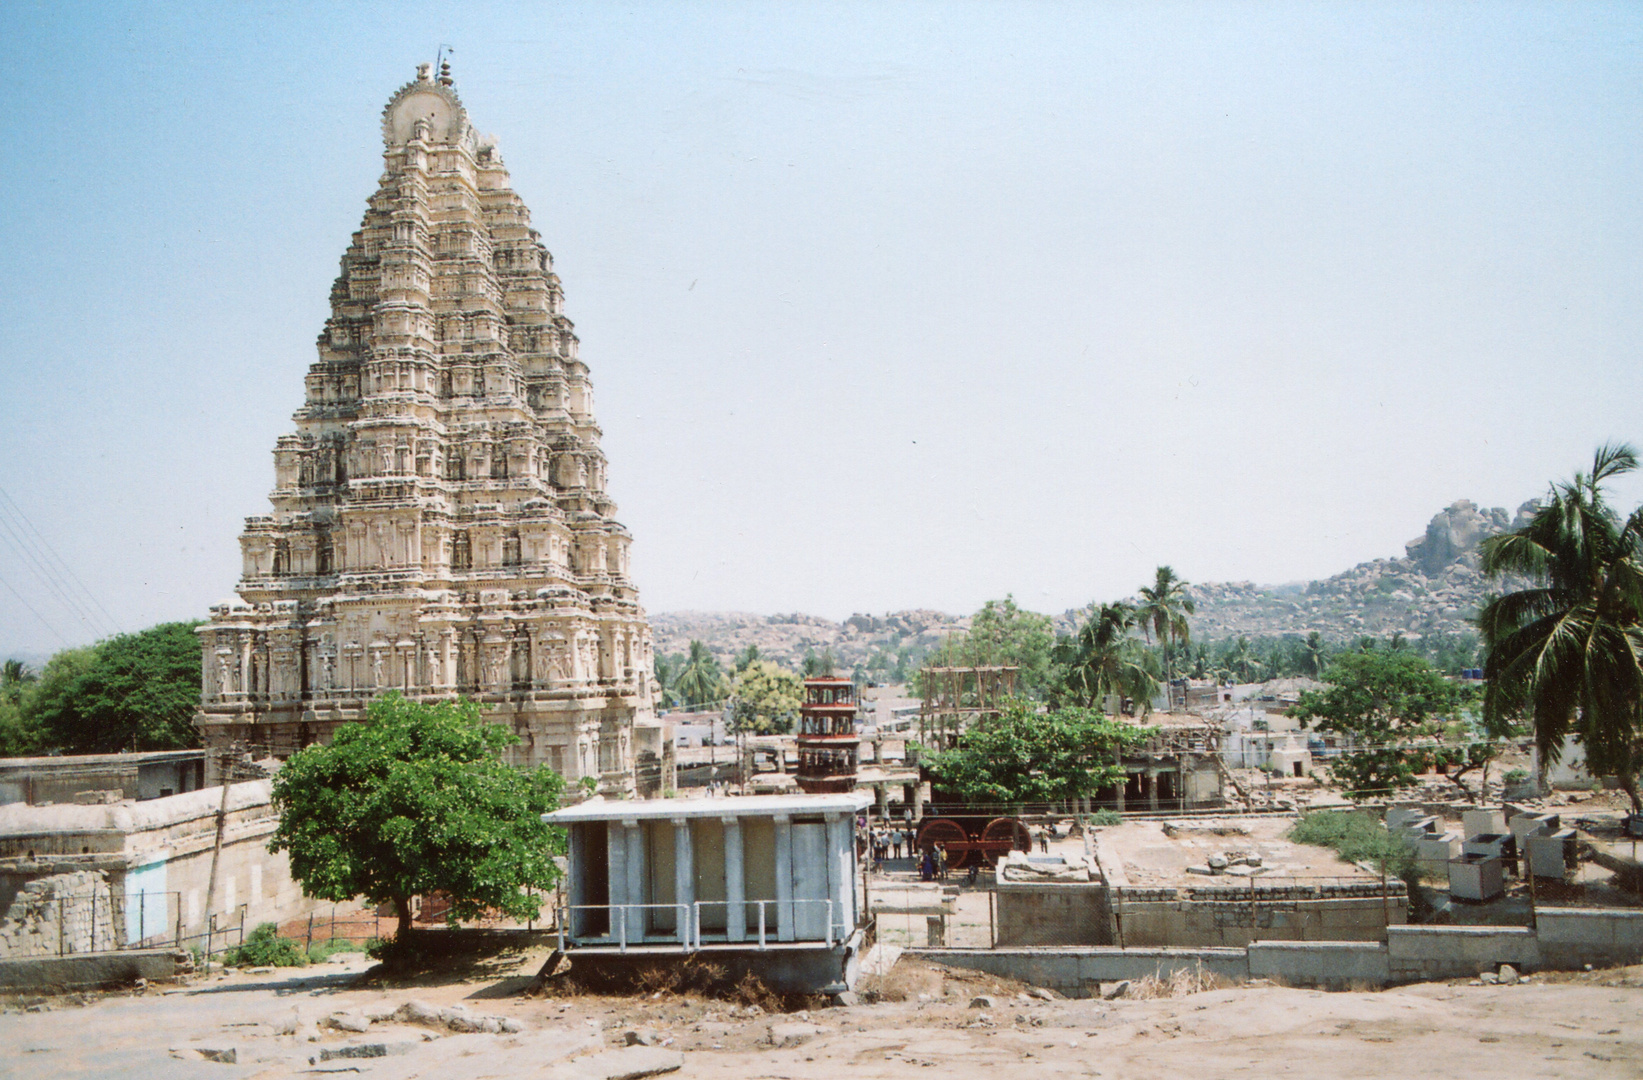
(1002, 634)
(1516, 776)
(1103, 660)
(413, 800)
(1163, 612)
(1105, 817)
(666, 669)
(1024, 756)
(746, 657)
(1382, 699)
(131, 692)
(765, 700)
(321, 951)
(1567, 652)
(1358, 837)
(19, 735)
(265, 948)
(700, 680)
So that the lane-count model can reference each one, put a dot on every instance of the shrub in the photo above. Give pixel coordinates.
(1516, 776)
(1105, 817)
(1355, 836)
(265, 948)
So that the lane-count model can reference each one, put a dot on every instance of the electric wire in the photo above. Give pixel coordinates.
(68, 572)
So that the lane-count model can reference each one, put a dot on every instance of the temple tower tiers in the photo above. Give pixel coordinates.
(440, 524)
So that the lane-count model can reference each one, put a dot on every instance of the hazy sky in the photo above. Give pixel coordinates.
(886, 305)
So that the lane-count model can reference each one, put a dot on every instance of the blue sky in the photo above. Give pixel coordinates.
(886, 305)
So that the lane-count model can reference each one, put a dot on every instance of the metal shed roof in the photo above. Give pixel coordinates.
(730, 806)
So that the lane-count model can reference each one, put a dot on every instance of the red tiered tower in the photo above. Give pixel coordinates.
(827, 737)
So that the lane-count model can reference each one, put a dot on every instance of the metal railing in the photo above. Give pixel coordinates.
(102, 922)
(687, 931)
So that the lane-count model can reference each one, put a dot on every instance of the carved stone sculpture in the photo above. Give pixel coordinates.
(446, 344)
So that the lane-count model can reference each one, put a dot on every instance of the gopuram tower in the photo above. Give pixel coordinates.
(440, 524)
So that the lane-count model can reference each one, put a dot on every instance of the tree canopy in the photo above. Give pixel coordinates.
(765, 700)
(700, 680)
(1565, 652)
(1103, 660)
(413, 800)
(1394, 706)
(1003, 634)
(131, 692)
(1021, 755)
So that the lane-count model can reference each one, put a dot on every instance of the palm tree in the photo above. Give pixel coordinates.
(1164, 610)
(1565, 651)
(1103, 660)
(1314, 654)
(700, 681)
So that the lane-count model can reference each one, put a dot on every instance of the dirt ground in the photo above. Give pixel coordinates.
(1573, 1025)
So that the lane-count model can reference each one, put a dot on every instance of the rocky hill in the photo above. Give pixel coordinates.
(1434, 587)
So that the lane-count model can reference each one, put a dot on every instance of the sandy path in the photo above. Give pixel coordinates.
(1586, 1027)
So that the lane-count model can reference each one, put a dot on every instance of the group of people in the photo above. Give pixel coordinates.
(889, 844)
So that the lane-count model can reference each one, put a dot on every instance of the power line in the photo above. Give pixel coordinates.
(36, 614)
(32, 563)
(67, 573)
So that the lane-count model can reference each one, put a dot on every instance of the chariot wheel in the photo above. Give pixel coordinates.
(950, 833)
(1002, 836)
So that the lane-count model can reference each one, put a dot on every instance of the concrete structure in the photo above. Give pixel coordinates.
(77, 878)
(759, 874)
(1476, 877)
(1565, 938)
(111, 777)
(440, 522)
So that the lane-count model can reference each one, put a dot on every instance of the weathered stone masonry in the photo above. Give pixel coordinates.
(440, 524)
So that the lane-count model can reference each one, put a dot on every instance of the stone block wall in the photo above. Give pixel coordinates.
(61, 914)
(1446, 952)
(1571, 937)
(1230, 917)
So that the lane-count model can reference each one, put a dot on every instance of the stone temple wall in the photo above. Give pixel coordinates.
(65, 913)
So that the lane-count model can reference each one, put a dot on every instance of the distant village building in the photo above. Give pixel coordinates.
(440, 521)
(85, 778)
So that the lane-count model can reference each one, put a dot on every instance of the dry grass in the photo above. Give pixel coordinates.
(1178, 983)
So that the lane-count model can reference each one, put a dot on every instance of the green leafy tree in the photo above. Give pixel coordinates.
(413, 800)
(1393, 706)
(1105, 660)
(1003, 634)
(700, 681)
(131, 692)
(1163, 613)
(1565, 651)
(1021, 755)
(18, 735)
(746, 657)
(765, 700)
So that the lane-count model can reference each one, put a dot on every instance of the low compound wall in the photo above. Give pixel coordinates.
(1077, 972)
(1565, 938)
(1447, 952)
(1334, 965)
(1230, 917)
(89, 971)
(1571, 937)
